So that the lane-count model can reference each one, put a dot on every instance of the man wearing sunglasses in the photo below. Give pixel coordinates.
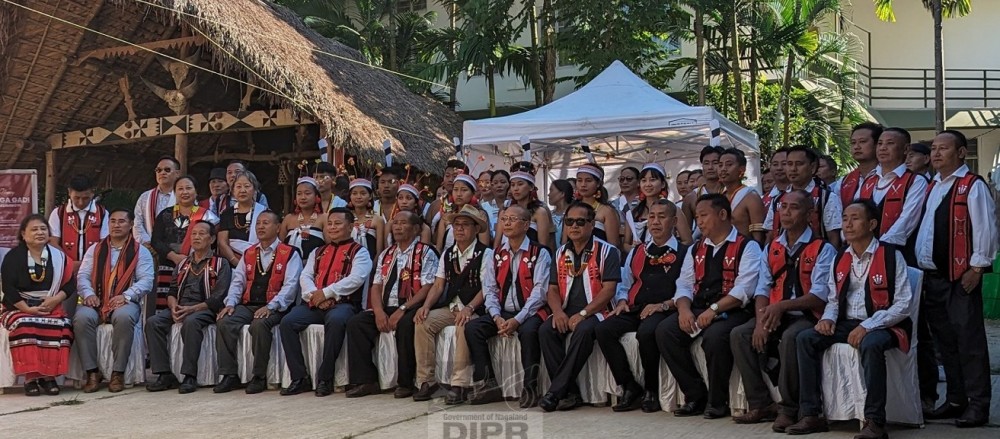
(324, 175)
(717, 280)
(583, 279)
(151, 202)
(644, 299)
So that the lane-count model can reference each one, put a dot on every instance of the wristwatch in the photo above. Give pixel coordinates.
(402, 307)
(583, 313)
(714, 307)
(978, 270)
(665, 306)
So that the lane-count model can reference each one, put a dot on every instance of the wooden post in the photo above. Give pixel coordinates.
(50, 181)
(181, 151)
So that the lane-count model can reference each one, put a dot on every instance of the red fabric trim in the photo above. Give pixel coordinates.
(277, 268)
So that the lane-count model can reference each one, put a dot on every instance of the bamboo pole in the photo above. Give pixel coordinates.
(50, 180)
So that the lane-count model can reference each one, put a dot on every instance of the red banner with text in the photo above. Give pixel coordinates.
(18, 199)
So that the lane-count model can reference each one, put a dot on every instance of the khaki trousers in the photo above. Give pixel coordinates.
(425, 348)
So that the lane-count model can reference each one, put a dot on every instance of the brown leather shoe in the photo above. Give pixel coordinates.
(782, 422)
(426, 392)
(403, 392)
(808, 425)
(117, 383)
(363, 390)
(872, 430)
(756, 416)
(93, 382)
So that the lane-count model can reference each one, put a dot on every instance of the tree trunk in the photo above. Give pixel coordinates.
(392, 37)
(734, 55)
(938, 67)
(754, 71)
(549, 74)
(453, 76)
(491, 86)
(536, 63)
(786, 99)
(699, 38)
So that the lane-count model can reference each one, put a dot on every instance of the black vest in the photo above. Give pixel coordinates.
(659, 285)
(467, 283)
(258, 289)
(710, 288)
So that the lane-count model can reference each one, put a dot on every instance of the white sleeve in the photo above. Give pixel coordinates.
(833, 213)
(685, 282)
(55, 226)
(909, 219)
(746, 281)
(982, 213)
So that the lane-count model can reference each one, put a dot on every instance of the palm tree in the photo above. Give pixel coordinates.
(939, 9)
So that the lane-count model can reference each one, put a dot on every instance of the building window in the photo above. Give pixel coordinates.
(410, 5)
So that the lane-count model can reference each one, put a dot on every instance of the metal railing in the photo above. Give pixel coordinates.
(914, 88)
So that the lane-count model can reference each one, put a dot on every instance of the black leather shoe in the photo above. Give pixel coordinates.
(651, 402)
(49, 386)
(256, 385)
(549, 402)
(363, 390)
(297, 386)
(403, 392)
(189, 385)
(487, 393)
(972, 419)
(631, 399)
(164, 381)
(946, 411)
(693, 408)
(716, 412)
(528, 399)
(426, 392)
(324, 388)
(228, 384)
(32, 389)
(570, 402)
(455, 396)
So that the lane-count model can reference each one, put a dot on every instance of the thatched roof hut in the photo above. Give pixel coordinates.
(70, 66)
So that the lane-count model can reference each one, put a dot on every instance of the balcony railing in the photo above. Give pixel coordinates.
(907, 88)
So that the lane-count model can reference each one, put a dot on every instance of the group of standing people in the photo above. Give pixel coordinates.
(786, 274)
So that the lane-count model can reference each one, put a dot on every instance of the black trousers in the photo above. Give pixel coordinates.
(609, 334)
(812, 344)
(192, 332)
(477, 335)
(956, 323)
(675, 346)
(363, 335)
(562, 364)
(752, 364)
(334, 321)
(229, 330)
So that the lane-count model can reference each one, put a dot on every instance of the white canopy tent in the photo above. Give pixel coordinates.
(627, 123)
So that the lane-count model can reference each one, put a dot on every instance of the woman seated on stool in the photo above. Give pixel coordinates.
(36, 279)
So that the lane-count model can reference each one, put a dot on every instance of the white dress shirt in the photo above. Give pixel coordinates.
(821, 271)
(55, 226)
(982, 213)
(142, 281)
(833, 210)
(361, 267)
(428, 269)
(289, 287)
(540, 283)
(746, 277)
(909, 218)
(856, 292)
(141, 231)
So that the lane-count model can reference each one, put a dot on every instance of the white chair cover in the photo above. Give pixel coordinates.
(208, 361)
(7, 377)
(244, 357)
(135, 371)
(445, 356)
(506, 355)
(312, 347)
(843, 386)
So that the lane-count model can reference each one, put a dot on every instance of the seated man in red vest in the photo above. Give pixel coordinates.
(264, 286)
(792, 290)
(78, 225)
(716, 283)
(333, 283)
(514, 303)
(645, 298)
(583, 279)
(196, 294)
(956, 244)
(898, 192)
(455, 299)
(867, 308)
(403, 277)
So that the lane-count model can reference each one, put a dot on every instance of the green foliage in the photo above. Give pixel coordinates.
(949, 8)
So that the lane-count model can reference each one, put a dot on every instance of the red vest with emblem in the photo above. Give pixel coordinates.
(333, 263)
(849, 186)
(594, 262)
(71, 230)
(820, 197)
(410, 283)
(960, 224)
(880, 290)
(524, 280)
(804, 261)
(277, 268)
(895, 197)
(730, 264)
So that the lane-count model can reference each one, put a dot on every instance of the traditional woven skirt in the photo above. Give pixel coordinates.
(39, 344)
(164, 275)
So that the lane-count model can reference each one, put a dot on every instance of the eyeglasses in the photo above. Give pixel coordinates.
(510, 219)
(626, 179)
(164, 170)
(578, 222)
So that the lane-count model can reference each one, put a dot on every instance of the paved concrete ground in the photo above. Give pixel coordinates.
(137, 413)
